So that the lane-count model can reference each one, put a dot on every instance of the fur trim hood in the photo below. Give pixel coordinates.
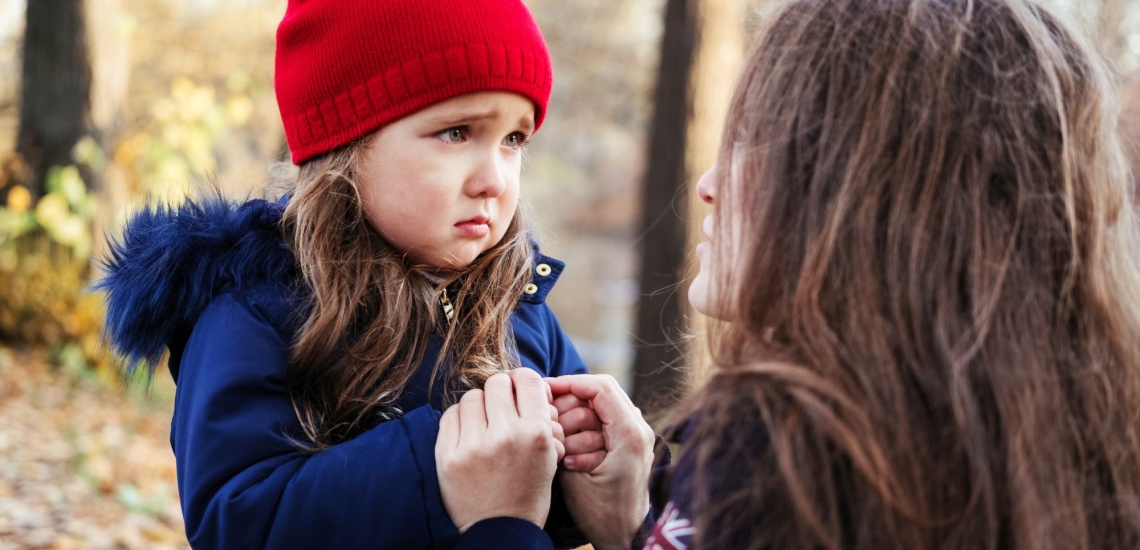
(171, 262)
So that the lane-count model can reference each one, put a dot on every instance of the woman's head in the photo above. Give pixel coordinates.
(407, 120)
(866, 128)
(925, 247)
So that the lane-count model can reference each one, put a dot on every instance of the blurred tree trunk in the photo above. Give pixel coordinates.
(56, 86)
(660, 311)
(720, 56)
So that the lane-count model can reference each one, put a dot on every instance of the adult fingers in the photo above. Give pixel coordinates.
(585, 442)
(558, 431)
(579, 420)
(448, 437)
(584, 462)
(559, 437)
(568, 401)
(472, 418)
(499, 399)
(559, 450)
(530, 395)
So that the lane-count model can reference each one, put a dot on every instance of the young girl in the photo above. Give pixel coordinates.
(314, 339)
(924, 251)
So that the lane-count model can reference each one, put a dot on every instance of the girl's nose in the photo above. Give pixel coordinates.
(706, 186)
(489, 178)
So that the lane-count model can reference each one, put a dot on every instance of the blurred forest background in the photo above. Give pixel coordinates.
(107, 104)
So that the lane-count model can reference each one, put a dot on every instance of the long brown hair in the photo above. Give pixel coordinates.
(933, 322)
(370, 315)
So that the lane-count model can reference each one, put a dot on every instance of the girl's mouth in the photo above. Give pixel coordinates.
(475, 227)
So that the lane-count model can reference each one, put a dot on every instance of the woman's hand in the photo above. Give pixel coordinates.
(610, 502)
(498, 449)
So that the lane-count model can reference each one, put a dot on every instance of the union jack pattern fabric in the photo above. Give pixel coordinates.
(671, 532)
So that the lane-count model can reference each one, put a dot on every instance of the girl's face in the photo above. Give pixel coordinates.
(700, 295)
(442, 185)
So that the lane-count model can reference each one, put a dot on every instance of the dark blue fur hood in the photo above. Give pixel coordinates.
(171, 262)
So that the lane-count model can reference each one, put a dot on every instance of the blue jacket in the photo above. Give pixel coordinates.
(214, 283)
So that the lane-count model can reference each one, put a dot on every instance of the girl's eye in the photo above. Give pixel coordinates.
(517, 140)
(453, 135)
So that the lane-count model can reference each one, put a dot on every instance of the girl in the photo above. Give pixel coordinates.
(315, 338)
(924, 252)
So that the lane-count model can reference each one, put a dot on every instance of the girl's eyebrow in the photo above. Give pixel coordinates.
(463, 118)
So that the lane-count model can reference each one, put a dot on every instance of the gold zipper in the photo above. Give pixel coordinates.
(448, 309)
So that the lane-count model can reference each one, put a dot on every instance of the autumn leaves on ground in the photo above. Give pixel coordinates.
(84, 466)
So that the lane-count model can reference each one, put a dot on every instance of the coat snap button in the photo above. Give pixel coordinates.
(530, 288)
(542, 270)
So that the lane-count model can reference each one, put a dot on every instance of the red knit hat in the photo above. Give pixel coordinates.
(345, 68)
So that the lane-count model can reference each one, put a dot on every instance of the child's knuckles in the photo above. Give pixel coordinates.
(576, 419)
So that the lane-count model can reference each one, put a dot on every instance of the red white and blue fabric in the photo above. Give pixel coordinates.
(672, 531)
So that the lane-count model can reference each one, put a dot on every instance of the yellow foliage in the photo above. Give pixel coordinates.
(131, 148)
(19, 199)
(44, 299)
(182, 138)
(239, 110)
(45, 252)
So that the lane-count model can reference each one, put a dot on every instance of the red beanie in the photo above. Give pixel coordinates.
(345, 68)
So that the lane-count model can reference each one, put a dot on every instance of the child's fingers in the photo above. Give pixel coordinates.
(585, 442)
(472, 418)
(569, 401)
(499, 399)
(584, 462)
(579, 420)
(604, 394)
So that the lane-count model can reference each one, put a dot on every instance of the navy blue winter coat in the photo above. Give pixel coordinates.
(214, 283)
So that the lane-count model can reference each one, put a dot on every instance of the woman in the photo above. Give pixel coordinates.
(924, 258)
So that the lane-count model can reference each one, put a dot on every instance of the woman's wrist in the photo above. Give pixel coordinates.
(625, 536)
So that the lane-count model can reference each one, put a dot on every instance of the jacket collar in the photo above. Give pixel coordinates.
(171, 262)
(544, 273)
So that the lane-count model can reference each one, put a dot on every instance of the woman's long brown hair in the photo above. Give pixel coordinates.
(370, 315)
(933, 335)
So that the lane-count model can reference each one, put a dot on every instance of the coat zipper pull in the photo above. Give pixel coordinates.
(448, 309)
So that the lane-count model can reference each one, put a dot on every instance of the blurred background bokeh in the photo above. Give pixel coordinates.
(108, 104)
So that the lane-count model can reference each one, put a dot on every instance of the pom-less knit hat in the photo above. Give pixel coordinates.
(345, 68)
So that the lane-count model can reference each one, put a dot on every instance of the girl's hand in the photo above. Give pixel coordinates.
(497, 451)
(585, 442)
(611, 502)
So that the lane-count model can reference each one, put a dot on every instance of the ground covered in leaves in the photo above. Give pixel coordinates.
(83, 464)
